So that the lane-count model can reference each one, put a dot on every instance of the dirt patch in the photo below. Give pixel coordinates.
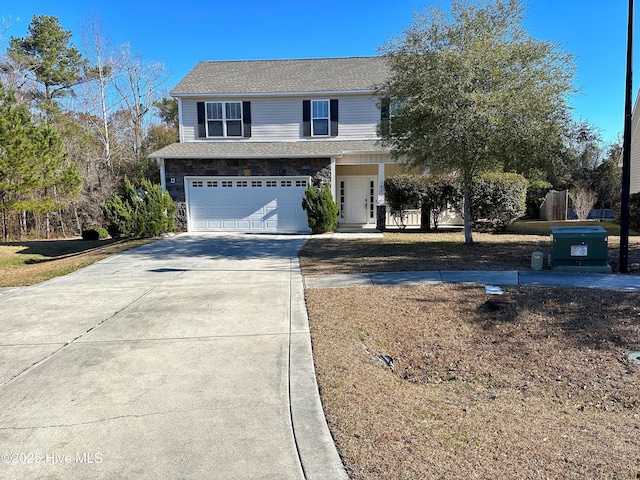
(540, 389)
(408, 251)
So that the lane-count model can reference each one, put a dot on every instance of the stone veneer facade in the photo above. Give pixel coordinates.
(319, 169)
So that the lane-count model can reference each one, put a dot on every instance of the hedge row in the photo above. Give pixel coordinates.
(497, 199)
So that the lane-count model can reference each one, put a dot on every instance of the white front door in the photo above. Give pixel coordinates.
(357, 200)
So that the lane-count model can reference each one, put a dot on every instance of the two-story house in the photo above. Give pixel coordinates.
(254, 134)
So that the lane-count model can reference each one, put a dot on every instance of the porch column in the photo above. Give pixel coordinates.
(381, 209)
(163, 180)
(381, 200)
(334, 192)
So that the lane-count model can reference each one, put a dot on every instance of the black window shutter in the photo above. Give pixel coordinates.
(306, 118)
(202, 131)
(384, 116)
(246, 118)
(333, 113)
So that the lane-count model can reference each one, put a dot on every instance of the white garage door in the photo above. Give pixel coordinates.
(246, 204)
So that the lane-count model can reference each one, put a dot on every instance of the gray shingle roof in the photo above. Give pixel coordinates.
(310, 148)
(283, 76)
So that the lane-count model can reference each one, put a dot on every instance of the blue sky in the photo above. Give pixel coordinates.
(181, 33)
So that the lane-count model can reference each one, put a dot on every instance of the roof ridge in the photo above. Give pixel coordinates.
(273, 60)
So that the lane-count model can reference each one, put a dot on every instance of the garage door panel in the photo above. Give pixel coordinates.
(264, 204)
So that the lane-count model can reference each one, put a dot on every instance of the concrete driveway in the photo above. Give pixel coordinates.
(187, 358)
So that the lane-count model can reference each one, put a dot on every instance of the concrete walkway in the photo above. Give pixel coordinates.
(187, 358)
(503, 278)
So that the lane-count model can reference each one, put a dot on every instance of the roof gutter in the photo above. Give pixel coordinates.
(253, 157)
(271, 94)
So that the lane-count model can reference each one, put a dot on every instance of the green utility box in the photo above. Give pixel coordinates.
(579, 249)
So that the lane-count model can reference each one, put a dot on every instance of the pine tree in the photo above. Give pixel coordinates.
(34, 174)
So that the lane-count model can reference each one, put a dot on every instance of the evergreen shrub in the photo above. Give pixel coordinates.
(322, 211)
(498, 200)
(140, 212)
(536, 193)
(94, 233)
(402, 192)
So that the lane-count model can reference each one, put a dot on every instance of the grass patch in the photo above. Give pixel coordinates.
(539, 227)
(28, 263)
(446, 250)
(541, 390)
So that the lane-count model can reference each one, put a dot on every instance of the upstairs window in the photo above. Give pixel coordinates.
(389, 110)
(224, 119)
(320, 118)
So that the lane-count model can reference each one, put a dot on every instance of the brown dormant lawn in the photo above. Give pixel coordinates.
(542, 389)
(30, 262)
(412, 250)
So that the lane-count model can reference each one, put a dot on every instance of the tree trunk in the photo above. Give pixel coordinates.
(5, 226)
(425, 217)
(468, 237)
(78, 225)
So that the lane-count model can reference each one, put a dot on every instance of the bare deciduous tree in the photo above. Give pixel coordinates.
(583, 201)
(138, 83)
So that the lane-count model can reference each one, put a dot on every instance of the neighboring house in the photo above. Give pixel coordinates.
(254, 134)
(635, 148)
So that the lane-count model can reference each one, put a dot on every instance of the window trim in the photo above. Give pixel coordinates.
(308, 120)
(327, 118)
(224, 120)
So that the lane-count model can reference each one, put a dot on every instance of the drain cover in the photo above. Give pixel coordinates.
(634, 357)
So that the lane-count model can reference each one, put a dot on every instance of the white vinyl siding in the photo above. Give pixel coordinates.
(359, 117)
(635, 149)
(635, 163)
(189, 120)
(279, 118)
(275, 119)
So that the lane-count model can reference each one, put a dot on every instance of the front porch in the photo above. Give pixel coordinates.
(358, 189)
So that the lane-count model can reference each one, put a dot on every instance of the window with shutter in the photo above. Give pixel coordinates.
(319, 118)
(224, 119)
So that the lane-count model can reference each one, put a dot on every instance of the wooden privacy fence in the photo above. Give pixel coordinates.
(554, 207)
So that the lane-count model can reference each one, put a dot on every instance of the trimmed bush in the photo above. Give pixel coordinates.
(94, 233)
(498, 200)
(139, 212)
(401, 193)
(322, 211)
(439, 193)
